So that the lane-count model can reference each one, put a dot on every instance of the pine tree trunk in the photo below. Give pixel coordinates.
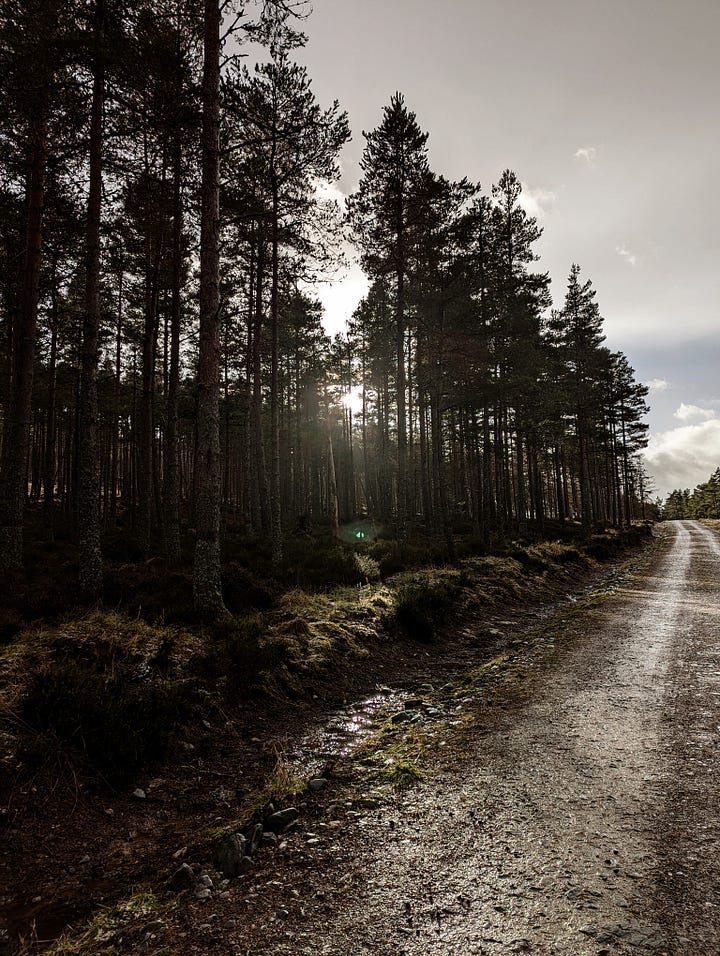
(51, 437)
(147, 399)
(171, 464)
(260, 482)
(88, 490)
(207, 589)
(275, 511)
(16, 438)
(402, 489)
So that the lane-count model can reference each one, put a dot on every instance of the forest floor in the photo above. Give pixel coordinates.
(511, 787)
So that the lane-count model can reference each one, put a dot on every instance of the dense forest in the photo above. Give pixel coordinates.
(703, 502)
(166, 217)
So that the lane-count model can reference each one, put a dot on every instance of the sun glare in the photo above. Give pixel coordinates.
(353, 400)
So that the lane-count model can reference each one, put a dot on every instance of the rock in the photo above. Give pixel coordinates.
(182, 879)
(253, 839)
(278, 821)
(246, 864)
(317, 783)
(414, 703)
(403, 716)
(154, 926)
(202, 893)
(269, 839)
(139, 794)
(230, 853)
(368, 803)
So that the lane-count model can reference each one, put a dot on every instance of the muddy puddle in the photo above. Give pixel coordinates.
(340, 734)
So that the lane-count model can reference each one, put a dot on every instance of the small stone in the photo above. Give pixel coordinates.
(182, 879)
(269, 839)
(202, 893)
(154, 926)
(414, 703)
(139, 794)
(253, 838)
(403, 716)
(317, 783)
(230, 853)
(277, 822)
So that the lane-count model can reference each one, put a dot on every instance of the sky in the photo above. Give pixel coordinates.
(607, 112)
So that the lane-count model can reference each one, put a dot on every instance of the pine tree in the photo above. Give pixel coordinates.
(576, 335)
(382, 213)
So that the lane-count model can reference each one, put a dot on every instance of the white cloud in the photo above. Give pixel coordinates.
(657, 385)
(536, 202)
(587, 155)
(684, 457)
(626, 254)
(326, 190)
(687, 412)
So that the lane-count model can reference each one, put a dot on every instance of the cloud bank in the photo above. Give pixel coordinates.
(536, 202)
(684, 457)
(686, 413)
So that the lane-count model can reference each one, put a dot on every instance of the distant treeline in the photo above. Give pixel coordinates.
(703, 502)
(166, 371)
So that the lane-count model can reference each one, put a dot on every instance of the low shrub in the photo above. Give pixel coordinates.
(422, 606)
(241, 654)
(114, 725)
(243, 590)
(321, 565)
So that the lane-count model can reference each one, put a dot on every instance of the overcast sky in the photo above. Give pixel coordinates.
(607, 110)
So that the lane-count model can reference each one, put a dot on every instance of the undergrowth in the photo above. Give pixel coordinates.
(107, 693)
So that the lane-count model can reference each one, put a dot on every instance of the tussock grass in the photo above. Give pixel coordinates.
(108, 921)
(101, 694)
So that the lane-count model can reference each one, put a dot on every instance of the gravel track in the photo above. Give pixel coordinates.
(585, 821)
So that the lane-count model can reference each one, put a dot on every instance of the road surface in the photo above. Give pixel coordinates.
(585, 822)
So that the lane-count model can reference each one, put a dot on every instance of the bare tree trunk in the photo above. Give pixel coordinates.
(171, 472)
(275, 512)
(147, 398)
(260, 483)
(207, 571)
(13, 482)
(400, 381)
(88, 492)
(51, 437)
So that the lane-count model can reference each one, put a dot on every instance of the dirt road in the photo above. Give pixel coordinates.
(585, 822)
